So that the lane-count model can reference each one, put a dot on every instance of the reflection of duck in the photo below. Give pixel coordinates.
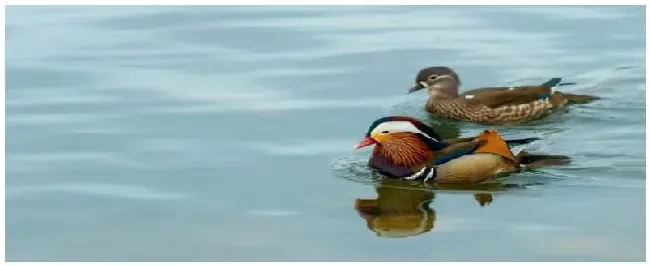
(491, 105)
(398, 212)
(403, 210)
(483, 199)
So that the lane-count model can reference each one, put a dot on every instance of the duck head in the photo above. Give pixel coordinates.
(401, 144)
(440, 81)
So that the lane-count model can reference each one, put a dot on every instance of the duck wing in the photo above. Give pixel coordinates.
(479, 91)
(455, 150)
(510, 142)
(549, 83)
(489, 141)
(502, 96)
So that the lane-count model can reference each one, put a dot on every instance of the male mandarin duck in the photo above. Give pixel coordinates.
(408, 149)
(491, 105)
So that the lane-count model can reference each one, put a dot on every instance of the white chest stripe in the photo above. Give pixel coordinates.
(416, 175)
(431, 175)
(419, 175)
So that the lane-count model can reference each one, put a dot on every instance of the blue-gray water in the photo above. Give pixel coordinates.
(226, 133)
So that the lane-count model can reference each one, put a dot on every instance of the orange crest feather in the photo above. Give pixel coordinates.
(494, 144)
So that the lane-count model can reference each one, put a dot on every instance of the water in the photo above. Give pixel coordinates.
(226, 133)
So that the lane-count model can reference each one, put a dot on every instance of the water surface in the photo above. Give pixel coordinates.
(226, 133)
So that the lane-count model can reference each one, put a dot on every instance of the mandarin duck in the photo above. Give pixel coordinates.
(490, 105)
(407, 149)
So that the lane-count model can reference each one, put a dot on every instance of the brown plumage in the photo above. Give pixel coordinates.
(490, 105)
(403, 150)
(407, 151)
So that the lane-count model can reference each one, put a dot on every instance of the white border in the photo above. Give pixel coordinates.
(322, 2)
(294, 2)
(3, 132)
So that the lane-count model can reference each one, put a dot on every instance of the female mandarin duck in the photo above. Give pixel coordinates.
(408, 149)
(491, 105)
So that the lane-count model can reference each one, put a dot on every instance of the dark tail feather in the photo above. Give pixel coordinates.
(517, 142)
(527, 160)
(552, 82)
(580, 98)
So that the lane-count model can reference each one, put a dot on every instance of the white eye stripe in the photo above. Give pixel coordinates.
(396, 126)
(399, 126)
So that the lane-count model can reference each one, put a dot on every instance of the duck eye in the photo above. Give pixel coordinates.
(432, 77)
(385, 132)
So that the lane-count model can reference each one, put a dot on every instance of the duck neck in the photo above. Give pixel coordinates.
(405, 154)
(443, 91)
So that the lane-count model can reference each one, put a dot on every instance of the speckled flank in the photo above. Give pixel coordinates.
(500, 115)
